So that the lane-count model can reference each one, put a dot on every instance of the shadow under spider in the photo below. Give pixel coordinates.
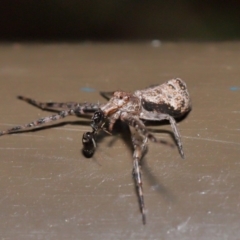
(155, 183)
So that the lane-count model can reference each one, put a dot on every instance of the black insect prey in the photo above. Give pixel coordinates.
(162, 102)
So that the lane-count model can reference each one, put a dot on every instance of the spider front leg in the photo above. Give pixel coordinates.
(139, 144)
(58, 106)
(49, 105)
(44, 120)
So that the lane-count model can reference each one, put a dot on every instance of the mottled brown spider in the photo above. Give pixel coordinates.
(161, 102)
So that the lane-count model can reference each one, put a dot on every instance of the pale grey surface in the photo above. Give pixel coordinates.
(50, 191)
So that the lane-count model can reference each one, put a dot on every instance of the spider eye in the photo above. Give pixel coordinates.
(125, 98)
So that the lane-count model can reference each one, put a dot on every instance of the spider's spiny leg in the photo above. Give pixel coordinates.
(141, 128)
(41, 121)
(61, 106)
(177, 135)
(138, 179)
(161, 116)
(106, 95)
(49, 105)
(112, 120)
(139, 144)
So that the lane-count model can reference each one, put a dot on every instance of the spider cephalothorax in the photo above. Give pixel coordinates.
(160, 102)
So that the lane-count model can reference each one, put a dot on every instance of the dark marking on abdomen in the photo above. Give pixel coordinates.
(161, 108)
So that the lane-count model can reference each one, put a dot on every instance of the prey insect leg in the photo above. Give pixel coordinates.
(42, 121)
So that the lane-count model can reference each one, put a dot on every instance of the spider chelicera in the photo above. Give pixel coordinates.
(167, 101)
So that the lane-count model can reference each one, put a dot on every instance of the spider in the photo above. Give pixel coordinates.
(156, 103)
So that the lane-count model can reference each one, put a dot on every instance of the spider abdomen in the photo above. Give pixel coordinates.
(171, 97)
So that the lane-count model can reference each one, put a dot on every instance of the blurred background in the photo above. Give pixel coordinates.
(116, 20)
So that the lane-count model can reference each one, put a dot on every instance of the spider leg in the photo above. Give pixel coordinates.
(139, 144)
(44, 120)
(153, 116)
(112, 120)
(58, 106)
(106, 95)
(140, 127)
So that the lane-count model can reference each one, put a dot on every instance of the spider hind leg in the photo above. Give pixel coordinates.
(152, 116)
